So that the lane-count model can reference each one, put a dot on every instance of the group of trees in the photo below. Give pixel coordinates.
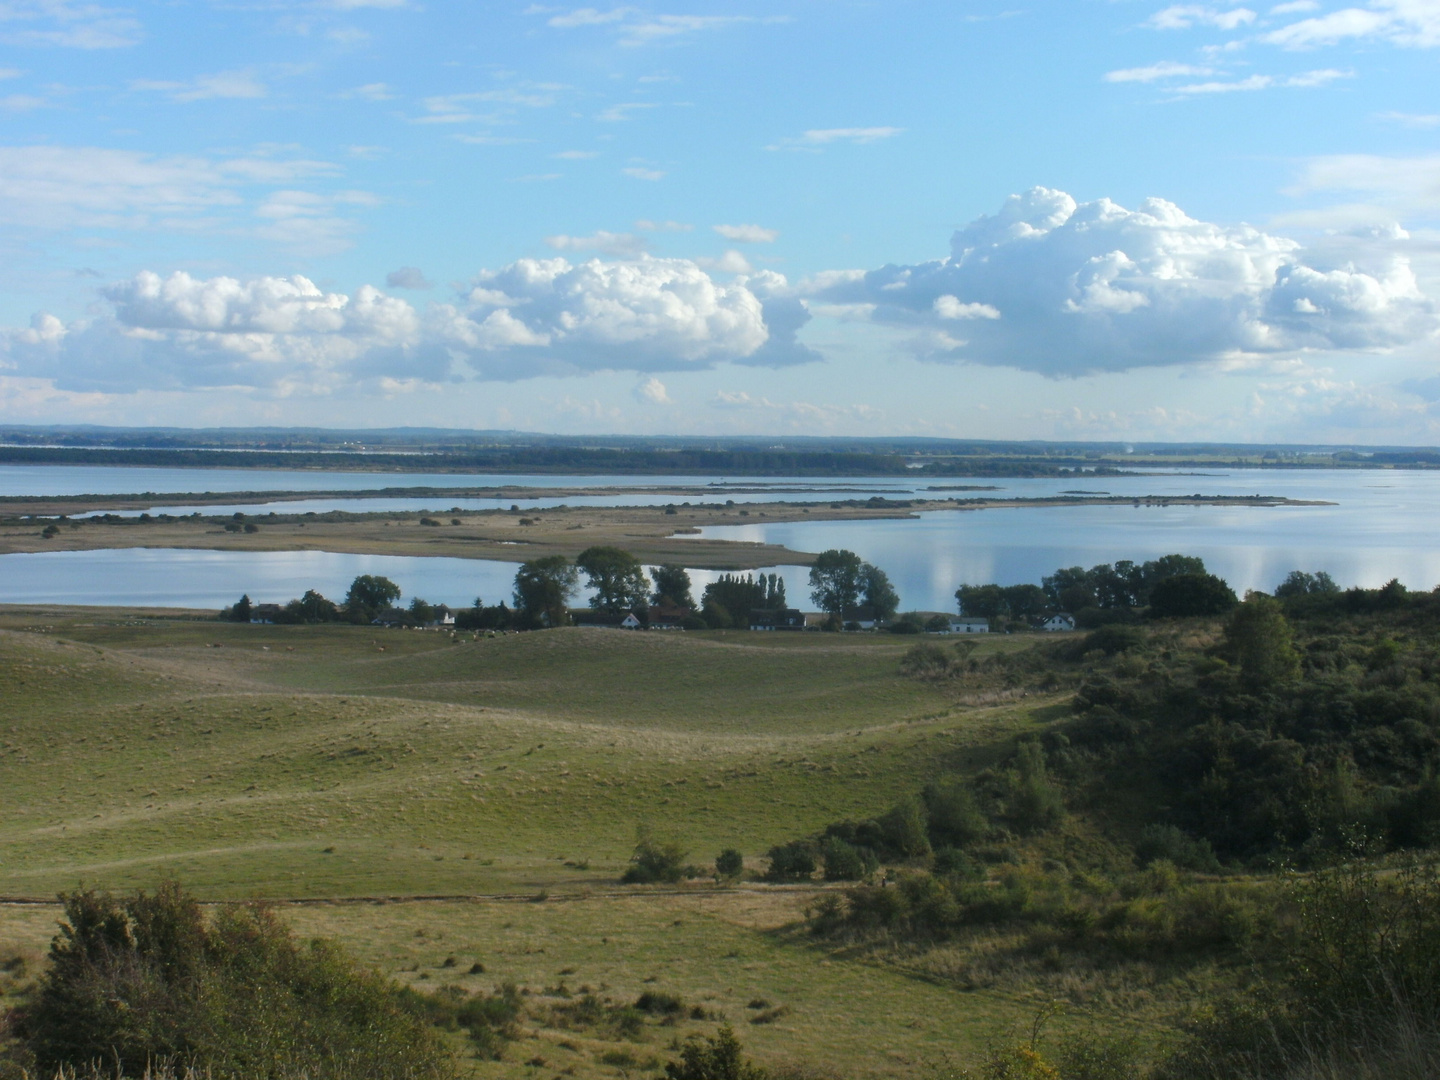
(369, 597)
(846, 587)
(1172, 585)
(842, 584)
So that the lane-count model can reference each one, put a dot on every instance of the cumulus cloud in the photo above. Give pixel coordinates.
(284, 335)
(652, 392)
(732, 262)
(1061, 288)
(407, 277)
(747, 234)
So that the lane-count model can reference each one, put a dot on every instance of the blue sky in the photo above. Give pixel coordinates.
(1058, 220)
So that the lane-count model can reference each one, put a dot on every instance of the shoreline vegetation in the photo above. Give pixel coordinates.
(654, 534)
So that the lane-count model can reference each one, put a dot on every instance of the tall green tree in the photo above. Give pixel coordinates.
(1258, 637)
(369, 595)
(837, 581)
(543, 589)
(879, 595)
(242, 610)
(672, 583)
(617, 577)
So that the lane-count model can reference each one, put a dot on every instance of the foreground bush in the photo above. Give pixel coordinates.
(150, 980)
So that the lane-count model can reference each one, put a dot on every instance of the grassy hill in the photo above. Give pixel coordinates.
(349, 764)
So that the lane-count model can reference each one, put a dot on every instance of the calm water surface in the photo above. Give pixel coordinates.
(1384, 525)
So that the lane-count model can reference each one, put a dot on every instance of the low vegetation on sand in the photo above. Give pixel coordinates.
(1172, 847)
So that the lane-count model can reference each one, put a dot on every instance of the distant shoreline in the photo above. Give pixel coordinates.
(654, 534)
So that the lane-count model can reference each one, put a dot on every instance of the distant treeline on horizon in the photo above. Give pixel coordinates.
(1021, 460)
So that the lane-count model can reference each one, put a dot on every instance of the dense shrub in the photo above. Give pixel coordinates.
(845, 862)
(729, 863)
(718, 1058)
(794, 861)
(151, 979)
(655, 860)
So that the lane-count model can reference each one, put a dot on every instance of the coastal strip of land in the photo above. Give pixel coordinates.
(654, 534)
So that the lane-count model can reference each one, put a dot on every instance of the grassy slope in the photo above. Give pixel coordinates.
(132, 748)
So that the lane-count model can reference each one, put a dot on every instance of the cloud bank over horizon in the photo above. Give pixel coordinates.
(1045, 285)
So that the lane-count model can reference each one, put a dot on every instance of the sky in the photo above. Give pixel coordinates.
(1096, 219)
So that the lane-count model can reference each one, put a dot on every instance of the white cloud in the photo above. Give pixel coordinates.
(616, 114)
(606, 243)
(1322, 77)
(747, 234)
(652, 391)
(1254, 82)
(643, 174)
(283, 335)
(407, 277)
(375, 91)
(10, 73)
(1413, 120)
(576, 155)
(68, 25)
(1396, 188)
(645, 225)
(1295, 7)
(461, 108)
(589, 17)
(309, 222)
(1184, 16)
(224, 84)
(732, 262)
(16, 103)
(669, 27)
(1067, 289)
(1165, 69)
(817, 137)
(1412, 23)
(58, 187)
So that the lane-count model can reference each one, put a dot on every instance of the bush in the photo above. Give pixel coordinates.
(1166, 842)
(654, 861)
(729, 863)
(794, 861)
(1114, 638)
(1034, 803)
(150, 979)
(955, 819)
(845, 862)
(703, 1058)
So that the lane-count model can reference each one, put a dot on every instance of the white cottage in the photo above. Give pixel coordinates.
(1059, 622)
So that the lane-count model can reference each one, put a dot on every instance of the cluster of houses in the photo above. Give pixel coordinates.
(671, 618)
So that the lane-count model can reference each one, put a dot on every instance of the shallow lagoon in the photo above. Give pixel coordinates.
(1385, 524)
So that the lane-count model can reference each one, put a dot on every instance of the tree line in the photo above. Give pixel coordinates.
(842, 585)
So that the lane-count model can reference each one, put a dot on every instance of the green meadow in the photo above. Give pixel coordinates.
(438, 802)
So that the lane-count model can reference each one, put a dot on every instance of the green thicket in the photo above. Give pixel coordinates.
(151, 979)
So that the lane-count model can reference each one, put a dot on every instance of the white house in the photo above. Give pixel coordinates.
(630, 622)
(1059, 622)
(968, 626)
